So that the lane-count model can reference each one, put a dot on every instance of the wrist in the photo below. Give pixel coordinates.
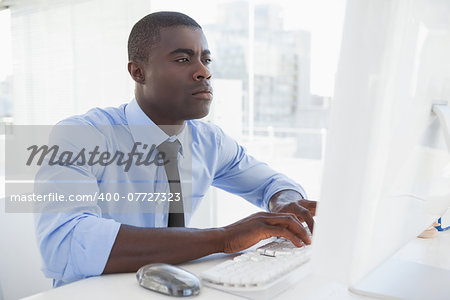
(219, 239)
(283, 197)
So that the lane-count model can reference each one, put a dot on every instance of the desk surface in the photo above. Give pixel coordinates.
(432, 252)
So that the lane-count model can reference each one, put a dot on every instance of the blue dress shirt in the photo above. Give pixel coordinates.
(75, 242)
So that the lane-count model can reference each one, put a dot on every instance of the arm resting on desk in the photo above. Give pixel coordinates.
(135, 247)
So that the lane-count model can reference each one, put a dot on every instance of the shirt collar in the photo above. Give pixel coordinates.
(144, 130)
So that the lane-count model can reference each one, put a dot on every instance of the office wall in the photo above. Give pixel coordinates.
(20, 261)
(69, 56)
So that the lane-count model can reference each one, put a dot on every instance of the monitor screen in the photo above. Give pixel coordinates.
(386, 174)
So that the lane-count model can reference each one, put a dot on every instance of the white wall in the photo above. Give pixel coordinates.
(20, 261)
(69, 56)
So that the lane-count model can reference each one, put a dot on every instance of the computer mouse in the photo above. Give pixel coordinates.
(169, 280)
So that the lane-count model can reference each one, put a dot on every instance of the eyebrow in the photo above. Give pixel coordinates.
(189, 51)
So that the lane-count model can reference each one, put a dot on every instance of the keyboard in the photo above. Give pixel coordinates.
(268, 267)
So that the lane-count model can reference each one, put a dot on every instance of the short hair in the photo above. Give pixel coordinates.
(146, 32)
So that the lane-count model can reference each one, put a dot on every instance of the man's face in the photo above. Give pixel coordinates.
(177, 77)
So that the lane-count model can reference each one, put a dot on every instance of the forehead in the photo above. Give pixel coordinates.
(180, 37)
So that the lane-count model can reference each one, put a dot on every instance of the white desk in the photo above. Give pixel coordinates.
(434, 252)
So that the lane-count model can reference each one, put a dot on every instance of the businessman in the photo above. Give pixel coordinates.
(169, 61)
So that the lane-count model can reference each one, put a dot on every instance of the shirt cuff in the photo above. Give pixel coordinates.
(294, 187)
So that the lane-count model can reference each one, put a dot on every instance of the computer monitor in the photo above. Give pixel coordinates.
(386, 174)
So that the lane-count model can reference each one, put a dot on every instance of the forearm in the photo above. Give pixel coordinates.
(135, 246)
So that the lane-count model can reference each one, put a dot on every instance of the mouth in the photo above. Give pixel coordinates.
(205, 93)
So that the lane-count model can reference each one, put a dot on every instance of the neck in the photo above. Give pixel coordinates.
(166, 124)
(171, 129)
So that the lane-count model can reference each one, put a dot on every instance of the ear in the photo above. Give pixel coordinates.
(136, 71)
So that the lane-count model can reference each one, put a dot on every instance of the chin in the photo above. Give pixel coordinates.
(201, 113)
(199, 116)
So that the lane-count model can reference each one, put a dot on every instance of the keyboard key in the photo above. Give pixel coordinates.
(257, 269)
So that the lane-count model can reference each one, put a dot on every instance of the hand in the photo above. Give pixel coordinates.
(248, 231)
(289, 201)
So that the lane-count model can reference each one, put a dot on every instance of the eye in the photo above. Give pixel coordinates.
(182, 60)
(207, 61)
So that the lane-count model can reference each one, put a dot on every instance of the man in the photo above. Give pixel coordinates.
(170, 62)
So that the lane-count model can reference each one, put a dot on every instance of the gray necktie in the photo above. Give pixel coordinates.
(176, 214)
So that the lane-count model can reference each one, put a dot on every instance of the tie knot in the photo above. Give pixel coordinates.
(170, 149)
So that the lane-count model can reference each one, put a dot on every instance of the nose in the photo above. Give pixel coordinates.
(202, 72)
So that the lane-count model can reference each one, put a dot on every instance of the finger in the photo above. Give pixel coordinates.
(303, 214)
(307, 217)
(284, 214)
(309, 205)
(291, 222)
(284, 217)
(275, 231)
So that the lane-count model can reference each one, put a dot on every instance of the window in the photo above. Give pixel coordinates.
(285, 54)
